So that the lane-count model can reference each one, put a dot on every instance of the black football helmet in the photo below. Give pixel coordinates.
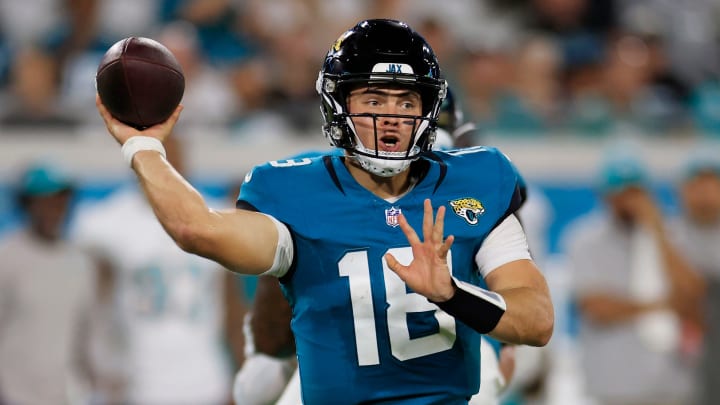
(388, 52)
(462, 133)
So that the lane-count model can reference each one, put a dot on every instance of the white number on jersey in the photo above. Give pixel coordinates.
(354, 265)
(290, 162)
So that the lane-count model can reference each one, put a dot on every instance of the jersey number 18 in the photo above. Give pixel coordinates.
(355, 267)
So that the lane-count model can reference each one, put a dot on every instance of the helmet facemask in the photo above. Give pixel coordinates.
(342, 132)
(356, 61)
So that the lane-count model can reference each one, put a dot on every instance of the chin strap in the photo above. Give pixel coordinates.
(382, 167)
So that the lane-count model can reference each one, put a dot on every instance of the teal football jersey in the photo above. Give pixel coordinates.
(361, 334)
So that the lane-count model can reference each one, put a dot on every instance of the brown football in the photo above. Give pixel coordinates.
(140, 82)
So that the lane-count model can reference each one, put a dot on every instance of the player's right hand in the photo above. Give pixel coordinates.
(122, 132)
(428, 273)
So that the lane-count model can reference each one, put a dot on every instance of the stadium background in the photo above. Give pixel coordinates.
(251, 93)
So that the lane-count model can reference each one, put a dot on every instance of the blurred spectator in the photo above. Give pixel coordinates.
(484, 76)
(222, 39)
(689, 31)
(665, 99)
(629, 88)
(699, 235)
(293, 90)
(532, 105)
(440, 37)
(170, 304)
(32, 21)
(209, 99)
(512, 85)
(115, 20)
(46, 296)
(579, 27)
(255, 120)
(34, 93)
(629, 283)
(289, 36)
(529, 67)
(56, 28)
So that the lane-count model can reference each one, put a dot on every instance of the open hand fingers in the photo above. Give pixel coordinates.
(438, 234)
(445, 247)
(409, 232)
(395, 265)
(427, 226)
(438, 227)
(433, 229)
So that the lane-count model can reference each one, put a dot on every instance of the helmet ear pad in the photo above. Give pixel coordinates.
(336, 128)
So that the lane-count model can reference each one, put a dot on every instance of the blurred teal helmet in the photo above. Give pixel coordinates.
(43, 179)
(619, 173)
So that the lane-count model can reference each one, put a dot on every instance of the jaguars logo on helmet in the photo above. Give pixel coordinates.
(468, 209)
(339, 41)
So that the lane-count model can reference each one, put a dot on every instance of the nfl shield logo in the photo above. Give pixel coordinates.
(391, 216)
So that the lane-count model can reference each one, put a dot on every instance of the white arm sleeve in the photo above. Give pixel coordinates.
(284, 252)
(504, 244)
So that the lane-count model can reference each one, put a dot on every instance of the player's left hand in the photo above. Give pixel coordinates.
(122, 132)
(428, 273)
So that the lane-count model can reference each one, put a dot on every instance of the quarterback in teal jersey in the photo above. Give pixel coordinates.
(380, 331)
(381, 313)
(269, 346)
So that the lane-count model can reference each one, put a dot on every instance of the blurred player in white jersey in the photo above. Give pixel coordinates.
(169, 304)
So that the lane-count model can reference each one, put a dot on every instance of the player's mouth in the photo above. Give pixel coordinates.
(389, 143)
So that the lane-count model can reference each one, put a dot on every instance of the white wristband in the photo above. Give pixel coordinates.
(137, 143)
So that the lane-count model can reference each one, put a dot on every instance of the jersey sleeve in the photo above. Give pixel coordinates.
(256, 191)
(512, 187)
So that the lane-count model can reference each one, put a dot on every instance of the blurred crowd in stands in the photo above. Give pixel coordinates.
(523, 67)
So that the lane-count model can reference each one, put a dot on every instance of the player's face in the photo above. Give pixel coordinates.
(47, 214)
(701, 197)
(623, 203)
(393, 133)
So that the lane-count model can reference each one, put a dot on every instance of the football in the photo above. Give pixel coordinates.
(140, 82)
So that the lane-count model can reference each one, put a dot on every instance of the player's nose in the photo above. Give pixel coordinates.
(389, 120)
